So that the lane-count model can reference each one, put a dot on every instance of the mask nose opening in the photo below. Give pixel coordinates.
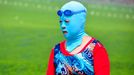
(63, 27)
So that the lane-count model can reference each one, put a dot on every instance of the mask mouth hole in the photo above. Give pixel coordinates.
(64, 32)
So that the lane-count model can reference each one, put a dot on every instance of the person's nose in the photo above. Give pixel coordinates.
(64, 27)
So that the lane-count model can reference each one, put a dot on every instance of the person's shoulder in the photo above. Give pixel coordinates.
(97, 42)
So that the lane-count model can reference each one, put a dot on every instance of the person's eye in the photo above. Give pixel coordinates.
(60, 21)
(67, 21)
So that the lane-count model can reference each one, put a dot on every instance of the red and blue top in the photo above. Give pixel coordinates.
(91, 60)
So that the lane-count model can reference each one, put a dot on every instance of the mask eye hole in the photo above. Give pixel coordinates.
(60, 21)
(67, 21)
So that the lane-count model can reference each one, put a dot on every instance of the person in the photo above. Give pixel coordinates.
(79, 54)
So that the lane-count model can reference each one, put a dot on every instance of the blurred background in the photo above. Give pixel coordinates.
(29, 29)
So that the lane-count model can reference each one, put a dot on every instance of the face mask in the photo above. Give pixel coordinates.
(72, 26)
(72, 22)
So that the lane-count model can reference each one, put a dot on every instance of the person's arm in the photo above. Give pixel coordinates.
(51, 69)
(101, 61)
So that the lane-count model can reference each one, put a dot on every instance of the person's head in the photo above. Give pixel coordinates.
(72, 19)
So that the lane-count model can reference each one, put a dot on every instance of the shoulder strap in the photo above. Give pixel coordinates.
(93, 44)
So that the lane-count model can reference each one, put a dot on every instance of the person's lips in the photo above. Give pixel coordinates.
(64, 32)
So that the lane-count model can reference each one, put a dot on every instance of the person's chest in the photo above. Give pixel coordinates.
(81, 63)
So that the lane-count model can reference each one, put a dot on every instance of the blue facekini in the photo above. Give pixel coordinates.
(73, 30)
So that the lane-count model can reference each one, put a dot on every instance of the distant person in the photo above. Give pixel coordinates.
(79, 54)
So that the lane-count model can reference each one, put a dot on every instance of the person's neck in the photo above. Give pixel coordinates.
(74, 42)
